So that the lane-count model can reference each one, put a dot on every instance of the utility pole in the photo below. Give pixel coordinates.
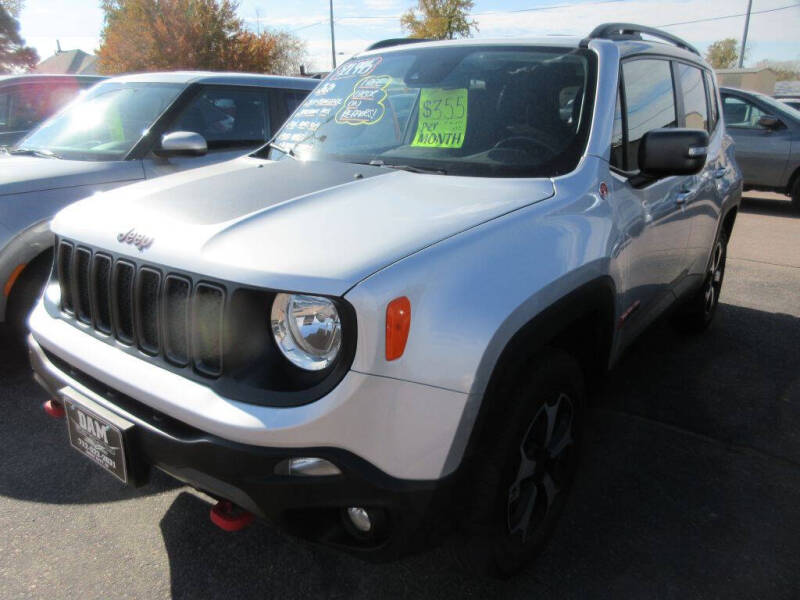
(333, 40)
(744, 35)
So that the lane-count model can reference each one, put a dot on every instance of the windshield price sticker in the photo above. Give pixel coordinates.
(442, 118)
(364, 106)
(357, 68)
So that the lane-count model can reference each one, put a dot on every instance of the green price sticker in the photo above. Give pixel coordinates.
(442, 118)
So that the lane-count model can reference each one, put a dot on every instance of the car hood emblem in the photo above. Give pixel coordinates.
(141, 241)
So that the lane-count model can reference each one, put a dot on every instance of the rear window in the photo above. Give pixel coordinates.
(695, 109)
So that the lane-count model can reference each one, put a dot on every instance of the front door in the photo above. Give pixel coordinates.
(657, 226)
(232, 120)
(761, 153)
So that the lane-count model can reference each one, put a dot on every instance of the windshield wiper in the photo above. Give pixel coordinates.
(286, 151)
(32, 152)
(409, 168)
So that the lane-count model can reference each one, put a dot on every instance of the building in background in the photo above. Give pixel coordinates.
(759, 79)
(68, 62)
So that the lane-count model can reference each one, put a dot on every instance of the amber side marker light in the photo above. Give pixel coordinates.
(398, 322)
(13, 279)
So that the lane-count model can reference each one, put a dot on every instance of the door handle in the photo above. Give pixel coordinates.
(721, 172)
(683, 197)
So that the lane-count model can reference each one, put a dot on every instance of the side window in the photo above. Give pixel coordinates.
(617, 148)
(711, 91)
(227, 117)
(695, 108)
(740, 113)
(649, 101)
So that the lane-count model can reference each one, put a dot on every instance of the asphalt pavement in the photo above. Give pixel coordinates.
(690, 487)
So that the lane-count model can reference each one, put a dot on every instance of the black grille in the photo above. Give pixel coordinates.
(163, 315)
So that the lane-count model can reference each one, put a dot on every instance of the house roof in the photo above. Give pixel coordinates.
(76, 62)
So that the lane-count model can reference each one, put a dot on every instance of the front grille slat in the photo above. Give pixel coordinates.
(82, 267)
(64, 272)
(207, 311)
(155, 313)
(146, 311)
(101, 292)
(122, 300)
(177, 291)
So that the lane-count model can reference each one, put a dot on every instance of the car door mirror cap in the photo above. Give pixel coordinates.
(182, 143)
(769, 122)
(672, 151)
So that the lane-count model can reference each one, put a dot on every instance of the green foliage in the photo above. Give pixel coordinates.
(14, 54)
(439, 19)
(723, 54)
(165, 35)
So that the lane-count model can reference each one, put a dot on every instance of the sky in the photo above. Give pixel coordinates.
(772, 35)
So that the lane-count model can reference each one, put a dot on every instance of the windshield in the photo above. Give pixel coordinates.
(104, 124)
(465, 110)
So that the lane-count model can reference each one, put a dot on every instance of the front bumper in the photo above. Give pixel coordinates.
(308, 506)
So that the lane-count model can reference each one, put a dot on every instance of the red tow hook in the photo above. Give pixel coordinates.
(229, 517)
(55, 409)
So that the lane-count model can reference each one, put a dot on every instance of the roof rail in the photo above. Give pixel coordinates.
(395, 42)
(629, 31)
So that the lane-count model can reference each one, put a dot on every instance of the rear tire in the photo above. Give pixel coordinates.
(796, 194)
(524, 465)
(698, 312)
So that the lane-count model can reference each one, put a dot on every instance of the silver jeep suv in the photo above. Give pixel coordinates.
(380, 330)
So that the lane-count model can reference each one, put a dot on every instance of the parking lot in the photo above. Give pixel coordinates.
(690, 486)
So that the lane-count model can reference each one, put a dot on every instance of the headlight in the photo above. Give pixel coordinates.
(307, 329)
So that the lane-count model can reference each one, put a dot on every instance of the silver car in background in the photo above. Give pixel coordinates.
(123, 130)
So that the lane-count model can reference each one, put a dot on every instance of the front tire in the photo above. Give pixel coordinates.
(524, 466)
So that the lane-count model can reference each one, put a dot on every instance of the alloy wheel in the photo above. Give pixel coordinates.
(546, 456)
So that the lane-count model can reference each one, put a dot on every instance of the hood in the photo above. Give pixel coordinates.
(22, 174)
(315, 227)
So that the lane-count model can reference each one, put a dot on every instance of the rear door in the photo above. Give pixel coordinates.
(761, 153)
(703, 200)
(657, 224)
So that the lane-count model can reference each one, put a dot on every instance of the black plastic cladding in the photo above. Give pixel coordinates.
(182, 341)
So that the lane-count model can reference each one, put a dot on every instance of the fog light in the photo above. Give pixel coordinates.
(359, 517)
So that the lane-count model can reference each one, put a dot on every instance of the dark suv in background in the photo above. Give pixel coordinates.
(767, 136)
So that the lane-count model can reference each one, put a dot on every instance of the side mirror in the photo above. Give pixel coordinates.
(769, 122)
(182, 143)
(665, 152)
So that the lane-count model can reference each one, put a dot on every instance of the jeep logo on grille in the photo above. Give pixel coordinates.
(142, 242)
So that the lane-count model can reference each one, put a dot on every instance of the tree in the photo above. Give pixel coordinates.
(439, 19)
(14, 54)
(723, 54)
(161, 35)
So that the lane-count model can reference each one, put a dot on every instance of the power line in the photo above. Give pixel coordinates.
(755, 12)
(490, 12)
